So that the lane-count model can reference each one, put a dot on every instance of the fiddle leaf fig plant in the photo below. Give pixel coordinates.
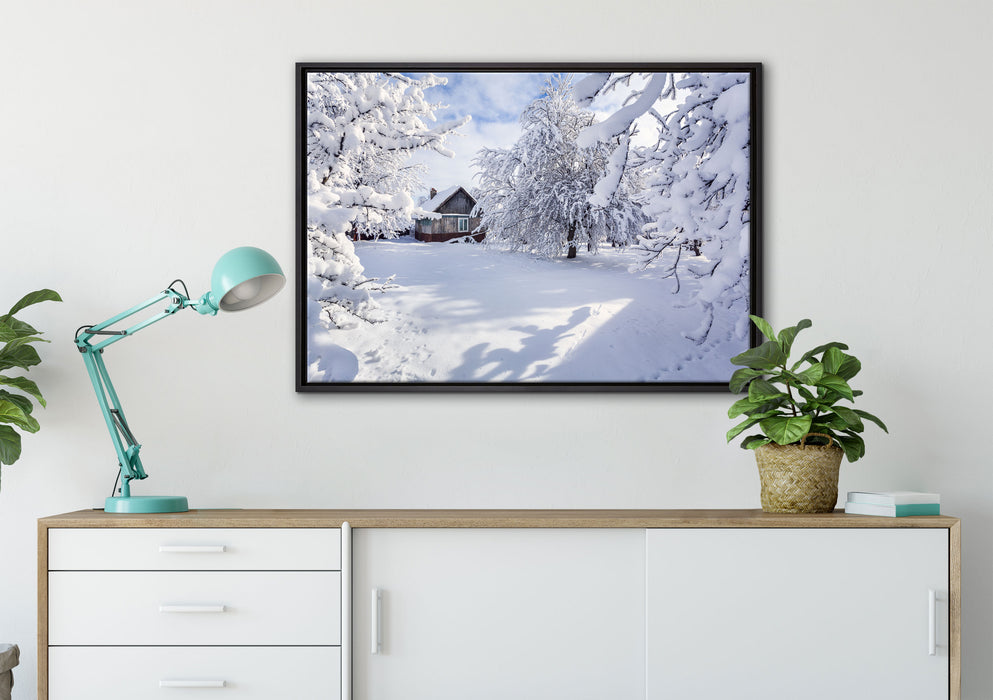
(16, 352)
(804, 400)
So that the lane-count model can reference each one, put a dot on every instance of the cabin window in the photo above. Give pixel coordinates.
(463, 224)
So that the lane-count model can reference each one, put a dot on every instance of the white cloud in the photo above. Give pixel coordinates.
(445, 172)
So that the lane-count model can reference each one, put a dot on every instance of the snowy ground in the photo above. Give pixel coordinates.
(468, 313)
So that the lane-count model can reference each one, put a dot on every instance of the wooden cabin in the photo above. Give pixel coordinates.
(455, 206)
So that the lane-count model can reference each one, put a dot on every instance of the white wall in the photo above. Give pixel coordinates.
(139, 141)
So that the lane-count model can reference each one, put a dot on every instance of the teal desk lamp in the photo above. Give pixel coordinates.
(242, 278)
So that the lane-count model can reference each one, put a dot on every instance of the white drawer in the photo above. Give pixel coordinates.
(194, 607)
(248, 673)
(134, 549)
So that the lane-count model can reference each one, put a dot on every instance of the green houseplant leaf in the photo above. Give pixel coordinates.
(762, 390)
(24, 384)
(11, 412)
(786, 430)
(753, 441)
(767, 356)
(32, 298)
(788, 335)
(812, 375)
(741, 377)
(811, 354)
(869, 417)
(10, 445)
(764, 327)
(833, 382)
(21, 356)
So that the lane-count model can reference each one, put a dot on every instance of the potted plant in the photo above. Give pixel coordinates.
(800, 409)
(16, 352)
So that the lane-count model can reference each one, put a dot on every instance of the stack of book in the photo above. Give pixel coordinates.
(893, 504)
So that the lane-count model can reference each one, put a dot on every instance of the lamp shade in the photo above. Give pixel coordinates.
(244, 277)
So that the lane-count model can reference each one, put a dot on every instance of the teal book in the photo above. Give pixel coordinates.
(892, 498)
(893, 511)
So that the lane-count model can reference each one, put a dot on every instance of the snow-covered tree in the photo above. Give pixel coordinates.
(541, 194)
(697, 182)
(361, 130)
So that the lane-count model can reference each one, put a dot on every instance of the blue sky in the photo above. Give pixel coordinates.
(495, 102)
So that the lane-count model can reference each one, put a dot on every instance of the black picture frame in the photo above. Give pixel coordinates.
(305, 382)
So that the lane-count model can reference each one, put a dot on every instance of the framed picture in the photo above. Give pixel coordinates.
(526, 227)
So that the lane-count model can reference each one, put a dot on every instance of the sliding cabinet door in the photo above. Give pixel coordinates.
(816, 614)
(494, 614)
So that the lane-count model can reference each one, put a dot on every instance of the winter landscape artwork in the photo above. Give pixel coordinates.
(526, 227)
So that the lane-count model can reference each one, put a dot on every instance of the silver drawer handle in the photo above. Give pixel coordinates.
(191, 684)
(191, 548)
(191, 608)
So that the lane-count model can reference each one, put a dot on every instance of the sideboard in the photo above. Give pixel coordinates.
(543, 604)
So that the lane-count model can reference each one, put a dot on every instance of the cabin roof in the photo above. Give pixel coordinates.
(439, 199)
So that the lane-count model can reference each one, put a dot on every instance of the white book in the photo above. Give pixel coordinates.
(892, 498)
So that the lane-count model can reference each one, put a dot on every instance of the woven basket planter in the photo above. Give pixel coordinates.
(799, 478)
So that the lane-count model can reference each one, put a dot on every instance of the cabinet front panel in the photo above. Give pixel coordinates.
(135, 549)
(246, 673)
(194, 607)
(490, 614)
(787, 614)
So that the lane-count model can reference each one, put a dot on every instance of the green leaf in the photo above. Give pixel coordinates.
(849, 417)
(812, 374)
(22, 402)
(34, 298)
(853, 445)
(831, 422)
(10, 412)
(804, 392)
(811, 354)
(753, 441)
(767, 356)
(19, 328)
(762, 390)
(23, 340)
(869, 417)
(747, 423)
(788, 335)
(833, 358)
(10, 445)
(744, 405)
(826, 399)
(23, 357)
(764, 326)
(844, 365)
(7, 333)
(25, 385)
(836, 384)
(741, 377)
(785, 430)
(850, 366)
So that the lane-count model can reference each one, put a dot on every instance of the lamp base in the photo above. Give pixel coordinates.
(146, 504)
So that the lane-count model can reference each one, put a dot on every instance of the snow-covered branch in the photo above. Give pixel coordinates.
(361, 130)
(696, 180)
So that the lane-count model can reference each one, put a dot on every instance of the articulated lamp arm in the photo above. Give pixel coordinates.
(91, 341)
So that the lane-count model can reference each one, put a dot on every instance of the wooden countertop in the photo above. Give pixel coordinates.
(443, 518)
